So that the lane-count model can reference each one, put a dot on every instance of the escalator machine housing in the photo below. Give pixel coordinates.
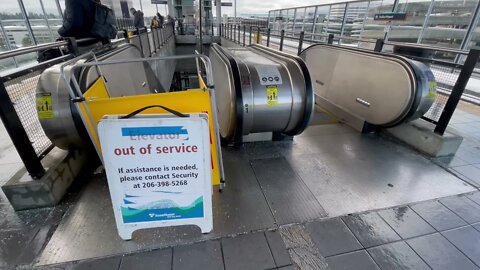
(259, 90)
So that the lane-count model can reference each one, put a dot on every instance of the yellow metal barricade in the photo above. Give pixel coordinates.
(96, 103)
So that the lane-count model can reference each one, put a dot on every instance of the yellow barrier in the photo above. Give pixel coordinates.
(257, 39)
(192, 101)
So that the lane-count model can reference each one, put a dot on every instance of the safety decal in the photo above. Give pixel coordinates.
(432, 88)
(45, 106)
(432, 84)
(272, 95)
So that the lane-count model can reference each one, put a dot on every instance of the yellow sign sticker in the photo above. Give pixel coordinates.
(272, 95)
(45, 106)
(432, 89)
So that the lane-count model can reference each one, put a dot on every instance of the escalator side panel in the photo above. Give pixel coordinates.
(304, 98)
(229, 101)
(122, 80)
(260, 91)
(426, 90)
(379, 90)
(265, 118)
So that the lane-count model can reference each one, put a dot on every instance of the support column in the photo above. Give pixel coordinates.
(471, 27)
(46, 21)
(425, 22)
(7, 41)
(57, 2)
(27, 21)
(314, 27)
(200, 12)
(171, 8)
(345, 13)
(219, 15)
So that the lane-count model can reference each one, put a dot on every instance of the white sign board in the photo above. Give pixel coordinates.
(159, 171)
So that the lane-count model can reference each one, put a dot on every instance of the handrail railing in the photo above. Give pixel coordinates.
(25, 50)
(338, 37)
(427, 47)
(41, 47)
(356, 39)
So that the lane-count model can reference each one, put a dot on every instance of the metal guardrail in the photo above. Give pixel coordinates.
(25, 50)
(125, 23)
(18, 90)
(426, 47)
(452, 76)
(52, 45)
(121, 23)
(17, 104)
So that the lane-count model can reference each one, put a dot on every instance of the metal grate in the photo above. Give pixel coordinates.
(22, 91)
(446, 78)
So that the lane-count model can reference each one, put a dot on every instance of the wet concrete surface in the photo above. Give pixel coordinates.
(386, 202)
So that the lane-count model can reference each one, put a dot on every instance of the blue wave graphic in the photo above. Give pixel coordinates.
(167, 192)
(168, 130)
(127, 202)
(163, 210)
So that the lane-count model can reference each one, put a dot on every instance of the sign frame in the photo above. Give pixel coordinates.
(171, 216)
(224, 4)
(159, 2)
(390, 16)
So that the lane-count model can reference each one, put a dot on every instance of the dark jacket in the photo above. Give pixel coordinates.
(138, 19)
(160, 19)
(78, 19)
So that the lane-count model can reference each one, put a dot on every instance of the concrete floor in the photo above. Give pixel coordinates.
(355, 202)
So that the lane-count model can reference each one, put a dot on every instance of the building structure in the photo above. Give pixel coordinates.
(445, 23)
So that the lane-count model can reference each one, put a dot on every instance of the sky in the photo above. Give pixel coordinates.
(30, 5)
(263, 6)
(243, 6)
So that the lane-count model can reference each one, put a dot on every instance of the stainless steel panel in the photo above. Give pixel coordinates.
(122, 79)
(242, 96)
(381, 89)
(265, 118)
(425, 92)
(61, 129)
(301, 88)
(247, 89)
(164, 69)
(225, 92)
